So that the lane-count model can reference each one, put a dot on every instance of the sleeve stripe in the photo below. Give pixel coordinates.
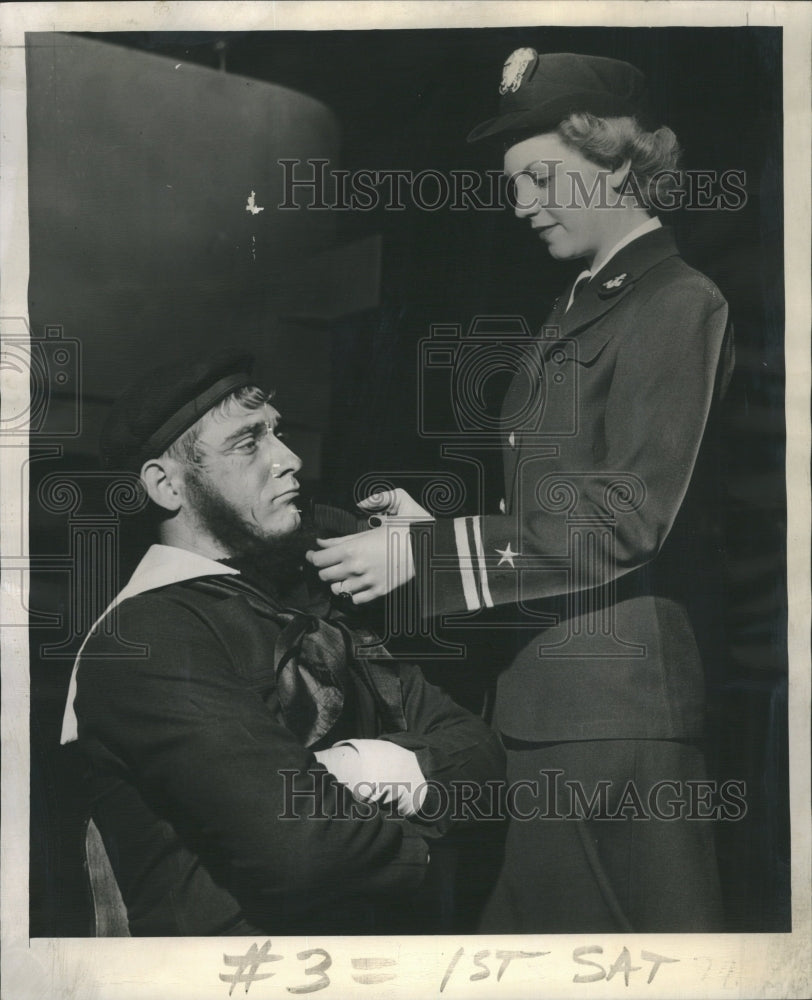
(469, 524)
(472, 602)
(483, 572)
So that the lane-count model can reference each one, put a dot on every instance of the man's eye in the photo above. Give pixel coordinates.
(541, 180)
(249, 445)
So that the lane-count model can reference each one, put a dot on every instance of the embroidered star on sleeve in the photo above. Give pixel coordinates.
(508, 555)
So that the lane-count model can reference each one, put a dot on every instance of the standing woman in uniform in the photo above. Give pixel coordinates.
(600, 533)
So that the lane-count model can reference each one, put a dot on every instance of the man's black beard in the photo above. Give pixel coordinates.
(277, 560)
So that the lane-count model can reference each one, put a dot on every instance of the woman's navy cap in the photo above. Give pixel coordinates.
(539, 91)
(155, 411)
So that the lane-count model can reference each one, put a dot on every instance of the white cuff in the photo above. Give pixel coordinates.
(378, 771)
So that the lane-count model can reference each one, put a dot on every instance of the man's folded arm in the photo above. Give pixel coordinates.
(206, 752)
(454, 748)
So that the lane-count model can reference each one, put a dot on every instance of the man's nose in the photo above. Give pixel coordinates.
(283, 460)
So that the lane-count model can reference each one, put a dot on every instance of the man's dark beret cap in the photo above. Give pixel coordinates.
(166, 402)
(539, 91)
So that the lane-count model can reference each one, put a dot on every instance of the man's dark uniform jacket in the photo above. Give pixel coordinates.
(601, 539)
(186, 745)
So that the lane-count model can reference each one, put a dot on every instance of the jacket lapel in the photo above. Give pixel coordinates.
(610, 286)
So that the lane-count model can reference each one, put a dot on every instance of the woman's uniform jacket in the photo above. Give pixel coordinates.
(608, 487)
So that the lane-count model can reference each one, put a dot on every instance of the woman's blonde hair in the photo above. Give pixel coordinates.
(608, 142)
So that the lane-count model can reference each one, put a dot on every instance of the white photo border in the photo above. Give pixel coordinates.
(751, 965)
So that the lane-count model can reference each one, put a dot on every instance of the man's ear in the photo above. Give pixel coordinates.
(163, 480)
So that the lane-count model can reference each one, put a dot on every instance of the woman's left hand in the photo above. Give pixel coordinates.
(367, 565)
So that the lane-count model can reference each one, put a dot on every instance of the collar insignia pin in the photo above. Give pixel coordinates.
(612, 285)
(615, 282)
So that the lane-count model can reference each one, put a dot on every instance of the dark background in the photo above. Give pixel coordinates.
(135, 275)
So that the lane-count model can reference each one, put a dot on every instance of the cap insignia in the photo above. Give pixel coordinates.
(514, 69)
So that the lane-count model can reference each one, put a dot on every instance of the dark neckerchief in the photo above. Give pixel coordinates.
(314, 653)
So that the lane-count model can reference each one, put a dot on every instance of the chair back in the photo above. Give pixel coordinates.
(110, 913)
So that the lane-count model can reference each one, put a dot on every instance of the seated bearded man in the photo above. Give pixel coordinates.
(264, 766)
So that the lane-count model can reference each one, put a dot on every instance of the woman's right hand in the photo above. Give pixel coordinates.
(396, 503)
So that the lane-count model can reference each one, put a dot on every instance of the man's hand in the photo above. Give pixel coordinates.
(377, 771)
(369, 564)
(395, 502)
